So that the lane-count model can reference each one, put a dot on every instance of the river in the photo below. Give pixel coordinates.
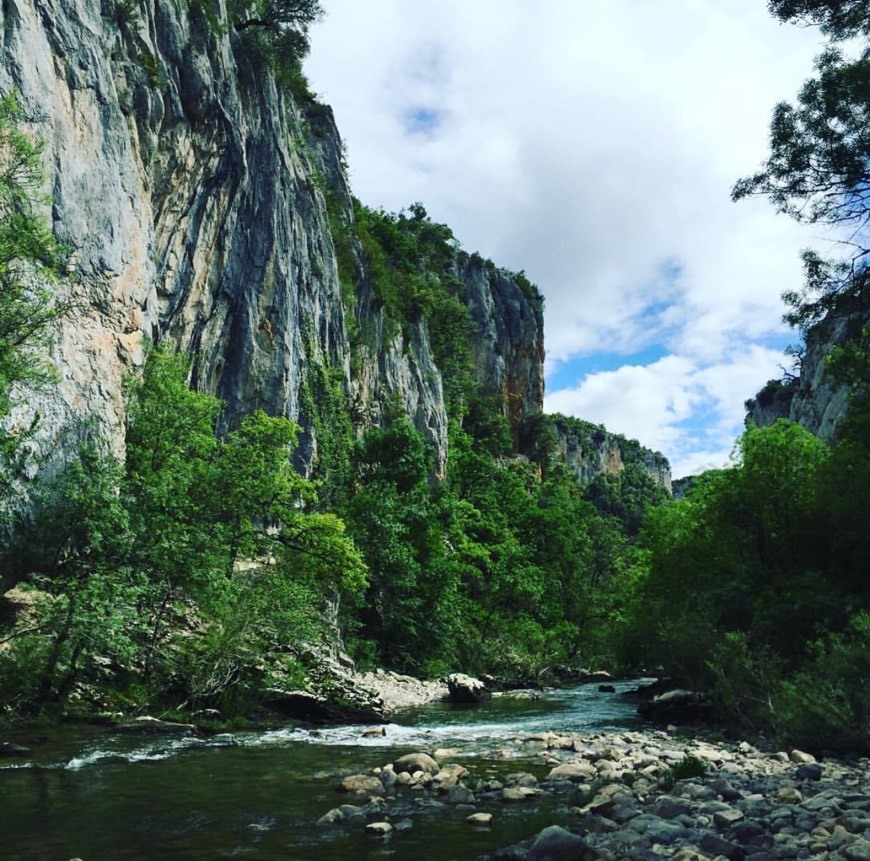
(99, 796)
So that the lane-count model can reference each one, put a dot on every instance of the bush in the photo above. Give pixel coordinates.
(688, 767)
(826, 705)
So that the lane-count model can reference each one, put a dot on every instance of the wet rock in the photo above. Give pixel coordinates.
(361, 784)
(465, 689)
(519, 793)
(413, 762)
(521, 778)
(378, 829)
(559, 844)
(344, 813)
(479, 819)
(460, 795)
(375, 732)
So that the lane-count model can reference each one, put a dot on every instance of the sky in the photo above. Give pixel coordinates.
(593, 144)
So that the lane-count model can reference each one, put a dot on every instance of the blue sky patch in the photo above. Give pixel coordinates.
(422, 121)
(568, 374)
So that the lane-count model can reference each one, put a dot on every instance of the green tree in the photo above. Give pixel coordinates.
(30, 263)
(277, 30)
(840, 19)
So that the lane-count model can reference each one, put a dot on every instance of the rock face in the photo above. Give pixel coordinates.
(508, 341)
(193, 195)
(813, 399)
(589, 449)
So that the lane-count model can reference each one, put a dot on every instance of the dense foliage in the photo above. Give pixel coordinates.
(755, 586)
(189, 572)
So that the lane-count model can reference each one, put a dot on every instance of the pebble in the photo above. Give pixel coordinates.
(749, 806)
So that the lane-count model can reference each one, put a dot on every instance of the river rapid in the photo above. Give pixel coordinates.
(88, 793)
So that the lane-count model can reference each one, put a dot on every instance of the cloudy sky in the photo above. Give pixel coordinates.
(593, 144)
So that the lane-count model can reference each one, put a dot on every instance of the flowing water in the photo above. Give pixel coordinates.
(100, 796)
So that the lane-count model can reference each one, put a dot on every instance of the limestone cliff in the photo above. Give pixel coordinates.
(508, 340)
(199, 202)
(590, 450)
(812, 398)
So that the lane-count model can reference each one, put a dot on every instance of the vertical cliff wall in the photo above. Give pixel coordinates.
(202, 206)
(193, 195)
(508, 340)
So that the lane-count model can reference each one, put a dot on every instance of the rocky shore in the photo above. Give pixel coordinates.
(633, 795)
(396, 691)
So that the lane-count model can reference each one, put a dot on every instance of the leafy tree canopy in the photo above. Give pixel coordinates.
(839, 19)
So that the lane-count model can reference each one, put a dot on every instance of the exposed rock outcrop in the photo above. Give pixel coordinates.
(199, 200)
(589, 450)
(508, 340)
(813, 398)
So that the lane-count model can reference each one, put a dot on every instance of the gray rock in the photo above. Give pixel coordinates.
(465, 689)
(722, 787)
(378, 829)
(724, 819)
(857, 851)
(558, 844)
(479, 819)
(801, 758)
(413, 762)
(460, 795)
(746, 832)
(667, 807)
(714, 845)
(809, 771)
(361, 784)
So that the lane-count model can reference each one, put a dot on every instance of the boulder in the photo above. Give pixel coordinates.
(575, 771)
(361, 784)
(342, 706)
(480, 819)
(800, 758)
(414, 762)
(677, 706)
(809, 771)
(465, 689)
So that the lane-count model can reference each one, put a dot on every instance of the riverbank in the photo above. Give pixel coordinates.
(633, 795)
(396, 691)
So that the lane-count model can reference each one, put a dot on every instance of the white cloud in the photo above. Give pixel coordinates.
(690, 410)
(593, 145)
